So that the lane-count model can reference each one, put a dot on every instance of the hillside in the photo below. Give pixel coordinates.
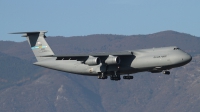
(25, 87)
(15, 71)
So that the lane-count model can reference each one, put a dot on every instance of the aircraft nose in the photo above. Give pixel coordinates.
(187, 58)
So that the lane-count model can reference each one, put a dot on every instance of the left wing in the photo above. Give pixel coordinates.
(97, 58)
(102, 54)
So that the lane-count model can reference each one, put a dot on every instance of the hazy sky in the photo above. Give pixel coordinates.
(85, 17)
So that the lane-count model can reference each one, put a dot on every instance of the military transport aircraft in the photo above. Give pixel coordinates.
(102, 65)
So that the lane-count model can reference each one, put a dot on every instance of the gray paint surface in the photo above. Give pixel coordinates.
(131, 61)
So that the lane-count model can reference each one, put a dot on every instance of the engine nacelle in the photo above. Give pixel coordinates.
(113, 60)
(93, 61)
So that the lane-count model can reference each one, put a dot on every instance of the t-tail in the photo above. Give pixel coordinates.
(38, 44)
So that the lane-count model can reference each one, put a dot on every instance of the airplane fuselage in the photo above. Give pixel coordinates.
(152, 60)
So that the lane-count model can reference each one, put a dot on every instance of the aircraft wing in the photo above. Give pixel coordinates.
(102, 54)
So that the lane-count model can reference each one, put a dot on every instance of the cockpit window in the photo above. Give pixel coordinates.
(177, 48)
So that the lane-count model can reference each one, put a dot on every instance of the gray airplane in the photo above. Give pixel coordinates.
(102, 65)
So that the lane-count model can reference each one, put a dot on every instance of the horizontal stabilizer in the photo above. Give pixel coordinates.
(29, 32)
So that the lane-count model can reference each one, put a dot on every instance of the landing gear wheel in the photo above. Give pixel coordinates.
(116, 78)
(166, 72)
(102, 76)
(128, 77)
(99, 77)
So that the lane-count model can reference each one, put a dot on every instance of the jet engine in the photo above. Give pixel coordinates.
(112, 60)
(93, 61)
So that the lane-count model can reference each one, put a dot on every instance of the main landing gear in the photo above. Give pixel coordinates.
(102, 76)
(128, 77)
(115, 76)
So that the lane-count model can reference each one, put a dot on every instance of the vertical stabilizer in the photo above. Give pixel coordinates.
(38, 44)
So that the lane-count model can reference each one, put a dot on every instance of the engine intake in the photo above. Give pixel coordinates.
(93, 61)
(113, 60)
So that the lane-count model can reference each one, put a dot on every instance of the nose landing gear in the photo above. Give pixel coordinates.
(166, 72)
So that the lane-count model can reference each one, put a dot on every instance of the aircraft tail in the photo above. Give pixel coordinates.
(38, 44)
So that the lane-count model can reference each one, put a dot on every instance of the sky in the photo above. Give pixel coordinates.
(86, 17)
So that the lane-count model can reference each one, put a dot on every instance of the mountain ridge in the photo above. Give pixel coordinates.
(50, 90)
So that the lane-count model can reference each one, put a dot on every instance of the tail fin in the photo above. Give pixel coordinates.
(38, 44)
